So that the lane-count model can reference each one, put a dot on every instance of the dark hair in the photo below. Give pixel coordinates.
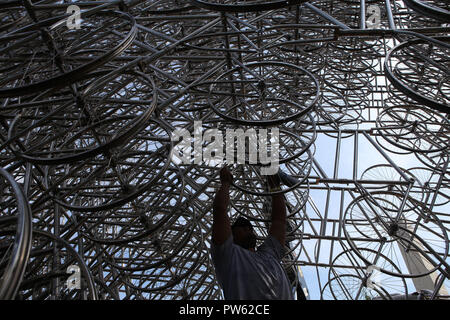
(241, 222)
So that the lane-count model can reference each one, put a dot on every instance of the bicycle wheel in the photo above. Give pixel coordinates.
(264, 93)
(372, 222)
(417, 68)
(55, 56)
(15, 244)
(351, 287)
(64, 129)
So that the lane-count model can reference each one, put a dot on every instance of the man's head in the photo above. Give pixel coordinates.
(243, 234)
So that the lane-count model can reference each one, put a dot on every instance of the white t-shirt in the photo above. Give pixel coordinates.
(246, 275)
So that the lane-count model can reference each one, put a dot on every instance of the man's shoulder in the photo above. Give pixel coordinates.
(272, 247)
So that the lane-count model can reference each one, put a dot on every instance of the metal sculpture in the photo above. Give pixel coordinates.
(94, 206)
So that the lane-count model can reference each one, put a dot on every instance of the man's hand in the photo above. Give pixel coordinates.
(226, 178)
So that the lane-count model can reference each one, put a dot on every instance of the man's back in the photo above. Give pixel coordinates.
(248, 275)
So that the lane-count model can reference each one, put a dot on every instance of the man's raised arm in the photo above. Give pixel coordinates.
(278, 227)
(221, 228)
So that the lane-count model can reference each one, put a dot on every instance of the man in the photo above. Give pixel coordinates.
(242, 271)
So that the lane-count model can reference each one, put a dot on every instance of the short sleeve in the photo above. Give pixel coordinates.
(221, 257)
(272, 247)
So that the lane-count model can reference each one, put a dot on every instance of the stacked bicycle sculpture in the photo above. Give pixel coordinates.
(94, 206)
